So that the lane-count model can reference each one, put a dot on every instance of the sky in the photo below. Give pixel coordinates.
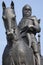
(37, 10)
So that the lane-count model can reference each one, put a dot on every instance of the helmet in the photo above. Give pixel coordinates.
(27, 10)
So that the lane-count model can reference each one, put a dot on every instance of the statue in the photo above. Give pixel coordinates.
(21, 40)
(16, 51)
(30, 25)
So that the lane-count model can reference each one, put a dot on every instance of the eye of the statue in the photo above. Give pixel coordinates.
(27, 10)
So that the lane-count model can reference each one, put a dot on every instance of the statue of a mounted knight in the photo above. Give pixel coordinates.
(21, 48)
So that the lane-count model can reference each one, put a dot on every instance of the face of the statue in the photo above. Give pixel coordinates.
(27, 11)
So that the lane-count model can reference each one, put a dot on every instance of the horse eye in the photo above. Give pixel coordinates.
(4, 17)
(13, 18)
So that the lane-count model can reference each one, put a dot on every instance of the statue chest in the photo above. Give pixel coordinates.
(27, 22)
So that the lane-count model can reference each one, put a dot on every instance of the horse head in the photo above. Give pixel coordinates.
(9, 17)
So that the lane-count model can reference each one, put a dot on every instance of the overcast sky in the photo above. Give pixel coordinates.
(37, 10)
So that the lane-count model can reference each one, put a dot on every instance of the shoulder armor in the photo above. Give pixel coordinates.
(33, 17)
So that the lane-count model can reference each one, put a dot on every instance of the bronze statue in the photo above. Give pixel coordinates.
(21, 40)
(30, 25)
(16, 51)
(9, 24)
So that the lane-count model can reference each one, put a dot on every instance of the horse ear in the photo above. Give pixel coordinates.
(12, 4)
(3, 5)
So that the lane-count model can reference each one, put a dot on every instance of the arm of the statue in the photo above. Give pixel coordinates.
(24, 29)
(35, 25)
(22, 26)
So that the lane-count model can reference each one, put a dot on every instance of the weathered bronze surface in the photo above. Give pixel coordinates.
(22, 46)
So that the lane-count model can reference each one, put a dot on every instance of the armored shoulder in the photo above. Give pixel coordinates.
(33, 17)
